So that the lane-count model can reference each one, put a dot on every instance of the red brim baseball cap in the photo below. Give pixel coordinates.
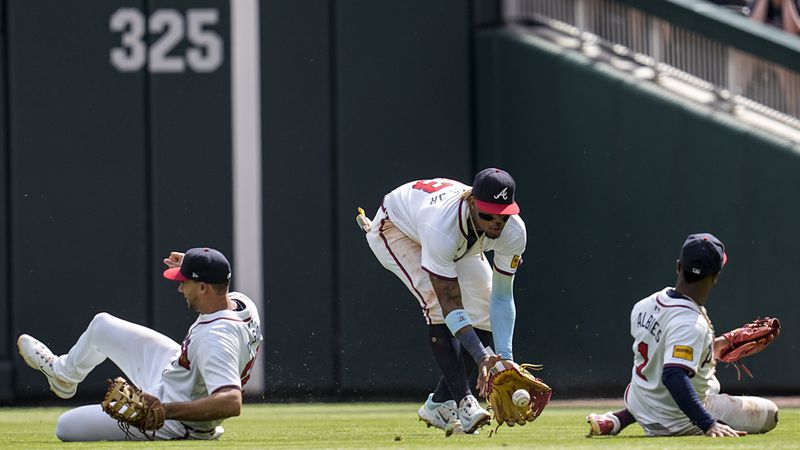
(174, 274)
(497, 208)
(201, 264)
(493, 190)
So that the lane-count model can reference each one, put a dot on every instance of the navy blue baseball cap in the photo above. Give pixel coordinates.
(201, 264)
(703, 255)
(493, 190)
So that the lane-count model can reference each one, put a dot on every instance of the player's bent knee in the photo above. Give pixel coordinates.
(66, 428)
(101, 320)
(101, 317)
(63, 434)
(772, 416)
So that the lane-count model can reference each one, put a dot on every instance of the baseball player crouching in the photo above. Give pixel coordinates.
(673, 390)
(193, 386)
(433, 234)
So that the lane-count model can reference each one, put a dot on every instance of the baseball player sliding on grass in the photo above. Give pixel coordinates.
(433, 234)
(673, 390)
(190, 387)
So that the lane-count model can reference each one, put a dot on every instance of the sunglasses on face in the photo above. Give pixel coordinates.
(489, 217)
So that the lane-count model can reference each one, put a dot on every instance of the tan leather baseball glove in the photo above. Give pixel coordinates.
(133, 408)
(505, 378)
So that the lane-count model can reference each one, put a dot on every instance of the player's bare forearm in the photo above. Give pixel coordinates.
(219, 405)
(448, 292)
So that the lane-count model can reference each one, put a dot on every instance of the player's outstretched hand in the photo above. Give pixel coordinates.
(483, 373)
(174, 260)
(722, 430)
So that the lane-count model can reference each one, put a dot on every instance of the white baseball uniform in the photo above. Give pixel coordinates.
(672, 330)
(421, 229)
(217, 352)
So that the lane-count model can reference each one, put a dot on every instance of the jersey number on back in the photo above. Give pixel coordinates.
(245, 377)
(430, 186)
(642, 347)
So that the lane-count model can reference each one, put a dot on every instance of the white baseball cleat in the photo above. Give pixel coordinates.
(471, 415)
(603, 424)
(39, 357)
(443, 416)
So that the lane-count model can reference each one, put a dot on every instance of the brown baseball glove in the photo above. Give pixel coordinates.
(505, 378)
(132, 407)
(749, 339)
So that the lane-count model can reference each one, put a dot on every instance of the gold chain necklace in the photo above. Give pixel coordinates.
(475, 229)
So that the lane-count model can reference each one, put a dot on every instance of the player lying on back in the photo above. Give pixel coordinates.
(673, 390)
(176, 391)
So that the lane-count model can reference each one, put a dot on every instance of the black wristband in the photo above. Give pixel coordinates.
(470, 341)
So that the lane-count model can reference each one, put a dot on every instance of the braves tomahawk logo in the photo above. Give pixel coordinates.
(503, 194)
(183, 361)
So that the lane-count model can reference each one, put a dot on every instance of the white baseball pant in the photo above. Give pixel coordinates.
(141, 353)
(402, 256)
(751, 414)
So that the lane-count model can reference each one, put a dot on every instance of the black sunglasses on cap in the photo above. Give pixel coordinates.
(489, 217)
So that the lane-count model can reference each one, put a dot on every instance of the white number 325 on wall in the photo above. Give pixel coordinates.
(203, 54)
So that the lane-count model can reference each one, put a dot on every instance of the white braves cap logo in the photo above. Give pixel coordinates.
(503, 193)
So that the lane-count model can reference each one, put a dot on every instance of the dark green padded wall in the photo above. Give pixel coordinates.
(613, 174)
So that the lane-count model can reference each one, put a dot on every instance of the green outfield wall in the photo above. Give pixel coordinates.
(6, 342)
(111, 157)
(358, 97)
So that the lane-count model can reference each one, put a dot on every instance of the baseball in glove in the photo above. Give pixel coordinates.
(749, 339)
(507, 377)
(132, 407)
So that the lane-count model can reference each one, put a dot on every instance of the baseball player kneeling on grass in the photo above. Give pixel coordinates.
(176, 391)
(433, 234)
(673, 390)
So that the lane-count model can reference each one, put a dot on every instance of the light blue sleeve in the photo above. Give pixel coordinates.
(502, 313)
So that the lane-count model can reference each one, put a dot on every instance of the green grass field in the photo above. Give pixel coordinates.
(387, 425)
